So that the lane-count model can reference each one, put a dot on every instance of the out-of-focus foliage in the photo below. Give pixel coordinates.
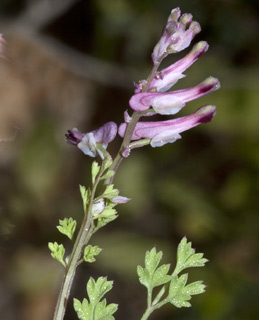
(205, 186)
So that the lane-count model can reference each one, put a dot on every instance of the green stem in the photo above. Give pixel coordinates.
(86, 229)
(82, 239)
(149, 297)
(152, 308)
(147, 313)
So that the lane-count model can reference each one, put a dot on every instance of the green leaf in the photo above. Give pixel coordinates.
(83, 310)
(90, 252)
(104, 312)
(97, 289)
(152, 276)
(160, 275)
(180, 293)
(194, 288)
(107, 162)
(67, 227)
(108, 174)
(152, 260)
(102, 221)
(85, 194)
(107, 212)
(110, 192)
(57, 252)
(95, 308)
(95, 170)
(187, 258)
(144, 276)
(177, 295)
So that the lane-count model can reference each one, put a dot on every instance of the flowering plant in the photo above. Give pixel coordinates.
(151, 97)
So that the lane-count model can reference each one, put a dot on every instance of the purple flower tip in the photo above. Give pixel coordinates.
(88, 142)
(74, 136)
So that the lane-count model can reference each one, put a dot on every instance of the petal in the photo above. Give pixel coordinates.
(168, 136)
(106, 133)
(88, 145)
(74, 136)
(169, 76)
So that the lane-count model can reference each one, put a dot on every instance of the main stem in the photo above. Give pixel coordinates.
(82, 239)
(85, 231)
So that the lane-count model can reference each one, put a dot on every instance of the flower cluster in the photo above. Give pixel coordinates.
(178, 34)
(152, 96)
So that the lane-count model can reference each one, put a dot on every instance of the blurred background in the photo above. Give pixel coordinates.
(72, 63)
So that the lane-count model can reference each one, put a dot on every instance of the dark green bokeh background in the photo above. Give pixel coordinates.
(204, 186)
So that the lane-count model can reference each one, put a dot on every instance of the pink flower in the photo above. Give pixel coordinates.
(88, 142)
(177, 35)
(172, 102)
(162, 132)
(166, 78)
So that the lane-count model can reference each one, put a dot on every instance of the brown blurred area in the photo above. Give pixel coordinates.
(72, 63)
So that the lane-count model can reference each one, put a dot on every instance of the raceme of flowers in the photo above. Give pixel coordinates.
(156, 99)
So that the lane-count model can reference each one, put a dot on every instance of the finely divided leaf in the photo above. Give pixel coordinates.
(160, 276)
(187, 258)
(90, 252)
(97, 289)
(177, 296)
(67, 227)
(104, 312)
(107, 212)
(85, 194)
(144, 276)
(83, 309)
(180, 293)
(95, 308)
(152, 276)
(102, 221)
(57, 252)
(152, 260)
(110, 192)
(193, 288)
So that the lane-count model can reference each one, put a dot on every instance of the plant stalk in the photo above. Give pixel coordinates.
(86, 230)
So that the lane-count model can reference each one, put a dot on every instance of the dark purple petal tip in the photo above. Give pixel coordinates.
(74, 136)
